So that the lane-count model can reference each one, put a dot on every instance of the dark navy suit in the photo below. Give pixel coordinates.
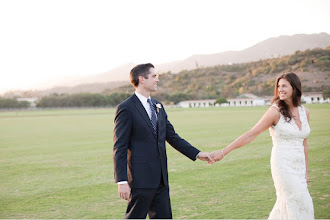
(139, 157)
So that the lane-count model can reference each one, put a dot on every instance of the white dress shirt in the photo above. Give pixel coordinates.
(144, 102)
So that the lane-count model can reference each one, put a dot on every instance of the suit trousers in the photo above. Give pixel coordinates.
(154, 202)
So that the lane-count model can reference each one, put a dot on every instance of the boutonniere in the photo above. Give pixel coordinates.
(158, 106)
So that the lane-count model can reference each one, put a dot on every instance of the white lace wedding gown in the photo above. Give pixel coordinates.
(289, 169)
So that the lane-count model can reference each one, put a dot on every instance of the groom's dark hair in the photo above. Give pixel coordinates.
(140, 70)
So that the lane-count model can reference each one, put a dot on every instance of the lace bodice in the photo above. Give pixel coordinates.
(285, 131)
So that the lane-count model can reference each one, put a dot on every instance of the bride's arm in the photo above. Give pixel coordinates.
(306, 159)
(306, 150)
(270, 118)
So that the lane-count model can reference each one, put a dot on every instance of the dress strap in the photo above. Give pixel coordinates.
(302, 107)
(302, 111)
(275, 106)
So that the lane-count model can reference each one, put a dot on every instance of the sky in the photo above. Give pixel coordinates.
(45, 40)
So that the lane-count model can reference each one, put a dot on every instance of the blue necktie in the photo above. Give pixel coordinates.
(153, 118)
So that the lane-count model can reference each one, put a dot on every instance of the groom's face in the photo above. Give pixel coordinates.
(150, 83)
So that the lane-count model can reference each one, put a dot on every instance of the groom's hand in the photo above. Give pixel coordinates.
(124, 191)
(205, 157)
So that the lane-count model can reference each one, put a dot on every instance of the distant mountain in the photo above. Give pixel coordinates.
(81, 88)
(270, 48)
(84, 88)
(120, 73)
(97, 83)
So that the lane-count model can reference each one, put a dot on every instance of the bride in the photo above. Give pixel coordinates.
(287, 121)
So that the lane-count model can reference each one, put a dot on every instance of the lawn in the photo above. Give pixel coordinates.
(58, 164)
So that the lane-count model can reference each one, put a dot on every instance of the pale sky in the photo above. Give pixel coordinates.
(42, 40)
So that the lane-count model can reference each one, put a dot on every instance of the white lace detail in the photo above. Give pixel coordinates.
(289, 169)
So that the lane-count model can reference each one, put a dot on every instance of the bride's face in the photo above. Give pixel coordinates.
(284, 89)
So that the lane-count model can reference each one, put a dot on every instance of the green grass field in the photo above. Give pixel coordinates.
(58, 164)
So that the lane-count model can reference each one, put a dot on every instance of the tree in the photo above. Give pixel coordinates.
(221, 100)
(326, 94)
(82, 100)
(178, 97)
(13, 103)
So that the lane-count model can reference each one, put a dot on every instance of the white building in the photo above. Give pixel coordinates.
(32, 101)
(310, 98)
(242, 100)
(196, 103)
(247, 100)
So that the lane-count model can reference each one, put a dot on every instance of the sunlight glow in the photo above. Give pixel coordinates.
(48, 40)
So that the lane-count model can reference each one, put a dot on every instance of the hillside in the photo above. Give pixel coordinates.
(269, 48)
(81, 88)
(312, 66)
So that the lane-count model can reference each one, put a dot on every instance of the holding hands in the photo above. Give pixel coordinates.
(205, 157)
(211, 157)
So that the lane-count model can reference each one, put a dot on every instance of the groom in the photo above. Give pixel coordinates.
(139, 153)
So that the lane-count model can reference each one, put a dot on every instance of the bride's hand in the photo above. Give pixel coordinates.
(217, 155)
(306, 177)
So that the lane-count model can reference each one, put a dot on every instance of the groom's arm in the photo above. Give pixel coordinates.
(121, 136)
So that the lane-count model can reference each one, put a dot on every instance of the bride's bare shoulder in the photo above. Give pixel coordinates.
(274, 114)
(274, 106)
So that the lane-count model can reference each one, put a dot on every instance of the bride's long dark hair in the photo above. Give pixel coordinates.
(294, 81)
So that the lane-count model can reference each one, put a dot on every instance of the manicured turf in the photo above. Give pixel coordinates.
(58, 164)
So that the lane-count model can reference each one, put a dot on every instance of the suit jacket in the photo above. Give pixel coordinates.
(139, 155)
